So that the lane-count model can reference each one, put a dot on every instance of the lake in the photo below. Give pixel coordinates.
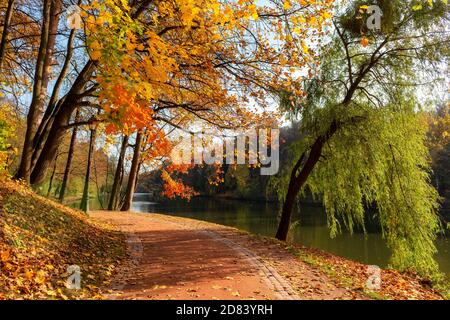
(311, 231)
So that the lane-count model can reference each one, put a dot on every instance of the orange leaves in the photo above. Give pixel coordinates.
(96, 47)
(156, 144)
(199, 61)
(5, 255)
(217, 177)
(180, 168)
(175, 188)
(126, 112)
(364, 42)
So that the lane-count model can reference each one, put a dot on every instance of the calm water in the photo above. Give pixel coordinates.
(261, 218)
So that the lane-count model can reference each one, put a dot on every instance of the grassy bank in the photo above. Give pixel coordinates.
(40, 238)
(394, 285)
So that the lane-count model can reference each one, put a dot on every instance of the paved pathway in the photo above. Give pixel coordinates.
(178, 258)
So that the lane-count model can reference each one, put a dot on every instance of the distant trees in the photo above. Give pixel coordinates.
(438, 141)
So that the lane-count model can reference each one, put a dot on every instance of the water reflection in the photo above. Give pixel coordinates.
(261, 218)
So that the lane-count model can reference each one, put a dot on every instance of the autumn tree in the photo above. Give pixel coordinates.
(196, 59)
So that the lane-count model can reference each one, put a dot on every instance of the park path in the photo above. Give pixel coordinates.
(178, 258)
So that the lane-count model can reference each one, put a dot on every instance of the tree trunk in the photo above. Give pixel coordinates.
(6, 23)
(55, 12)
(37, 162)
(286, 213)
(73, 140)
(296, 182)
(133, 173)
(85, 199)
(40, 158)
(59, 125)
(50, 184)
(24, 171)
(113, 199)
(53, 104)
(52, 143)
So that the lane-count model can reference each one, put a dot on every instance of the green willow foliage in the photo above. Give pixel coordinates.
(382, 160)
(378, 156)
(379, 159)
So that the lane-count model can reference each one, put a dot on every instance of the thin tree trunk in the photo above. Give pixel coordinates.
(24, 171)
(113, 199)
(50, 184)
(85, 199)
(137, 176)
(6, 23)
(73, 141)
(133, 173)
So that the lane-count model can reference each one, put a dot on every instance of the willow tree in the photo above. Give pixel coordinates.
(364, 139)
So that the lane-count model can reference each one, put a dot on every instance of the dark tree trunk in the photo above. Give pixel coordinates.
(113, 199)
(59, 125)
(134, 171)
(24, 171)
(36, 161)
(286, 213)
(6, 23)
(299, 175)
(297, 181)
(137, 176)
(73, 141)
(54, 139)
(52, 107)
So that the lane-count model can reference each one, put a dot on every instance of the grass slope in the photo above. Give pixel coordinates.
(40, 238)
